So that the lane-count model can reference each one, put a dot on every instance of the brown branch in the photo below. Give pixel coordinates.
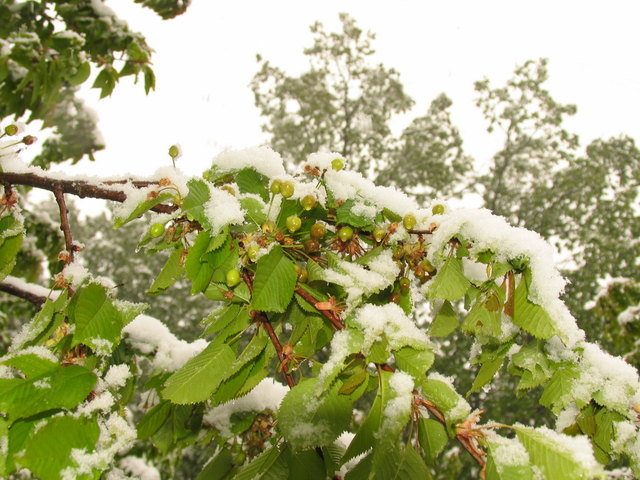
(333, 318)
(262, 319)
(64, 224)
(16, 291)
(80, 188)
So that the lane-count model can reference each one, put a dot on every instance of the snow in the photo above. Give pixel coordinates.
(398, 409)
(490, 232)
(506, 451)
(388, 321)
(75, 274)
(267, 395)
(140, 468)
(37, 350)
(567, 417)
(117, 375)
(149, 334)
(263, 159)
(629, 315)
(222, 209)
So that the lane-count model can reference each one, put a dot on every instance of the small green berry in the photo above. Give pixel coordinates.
(345, 233)
(156, 230)
(11, 129)
(437, 209)
(379, 234)
(287, 189)
(428, 267)
(409, 221)
(308, 202)
(302, 274)
(233, 278)
(318, 230)
(293, 223)
(405, 283)
(252, 252)
(174, 151)
(276, 186)
(337, 164)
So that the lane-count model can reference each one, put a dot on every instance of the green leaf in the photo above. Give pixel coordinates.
(4, 437)
(260, 465)
(41, 322)
(502, 464)
(531, 317)
(415, 362)
(400, 464)
(254, 209)
(345, 215)
(106, 81)
(486, 374)
(250, 181)
(445, 322)
(201, 264)
(9, 248)
(218, 467)
(433, 438)
(308, 421)
(153, 420)
(552, 457)
(65, 387)
(199, 378)
(98, 322)
(556, 393)
(274, 282)
(450, 282)
(446, 399)
(305, 465)
(143, 208)
(49, 451)
(171, 272)
(81, 75)
(31, 365)
(482, 321)
(193, 205)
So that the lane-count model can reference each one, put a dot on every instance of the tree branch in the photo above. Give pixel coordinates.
(26, 291)
(80, 188)
(333, 318)
(64, 224)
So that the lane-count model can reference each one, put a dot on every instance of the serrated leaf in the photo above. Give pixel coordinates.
(433, 438)
(96, 319)
(153, 420)
(349, 341)
(443, 396)
(450, 282)
(250, 181)
(218, 467)
(332, 455)
(308, 421)
(260, 465)
(172, 271)
(531, 317)
(49, 451)
(306, 465)
(346, 216)
(201, 264)
(9, 248)
(274, 282)
(354, 381)
(554, 459)
(413, 361)
(198, 379)
(501, 465)
(482, 321)
(142, 208)
(41, 322)
(65, 387)
(555, 395)
(445, 322)
(254, 209)
(485, 374)
(400, 464)
(193, 205)
(31, 365)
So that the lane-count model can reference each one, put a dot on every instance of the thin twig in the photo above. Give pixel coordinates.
(16, 291)
(64, 224)
(261, 317)
(333, 318)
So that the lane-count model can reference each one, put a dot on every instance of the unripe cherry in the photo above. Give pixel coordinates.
(302, 274)
(293, 223)
(409, 221)
(276, 186)
(345, 233)
(437, 209)
(252, 252)
(337, 164)
(312, 245)
(308, 202)
(287, 189)
(318, 230)
(156, 230)
(405, 283)
(379, 234)
(233, 278)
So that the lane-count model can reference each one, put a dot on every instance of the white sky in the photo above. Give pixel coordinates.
(205, 60)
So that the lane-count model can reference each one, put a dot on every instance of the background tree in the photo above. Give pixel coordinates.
(429, 160)
(342, 104)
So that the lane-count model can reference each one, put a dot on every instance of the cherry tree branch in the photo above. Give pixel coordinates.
(17, 287)
(64, 224)
(332, 317)
(104, 190)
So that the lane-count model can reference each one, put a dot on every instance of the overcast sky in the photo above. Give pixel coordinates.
(205, 60)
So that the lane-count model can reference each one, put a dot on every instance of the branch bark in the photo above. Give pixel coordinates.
(80, 188)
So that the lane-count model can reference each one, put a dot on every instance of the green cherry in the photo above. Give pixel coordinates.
(293, 223)
(379, 234)
(308, 202)
(318, 230)
(276, 186)
(438, 209)
(252, 252)
(345, 233)
(409, 221)
(233, 278)
(405, 283)
(174, 151)
(337, 164)
(156, 230)
(312, 245)
(287, 189)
